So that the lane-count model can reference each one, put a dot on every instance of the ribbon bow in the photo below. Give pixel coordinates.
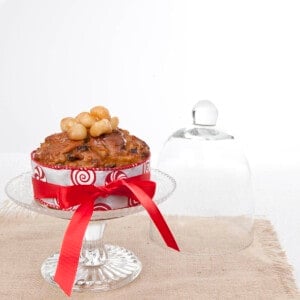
(137, 188)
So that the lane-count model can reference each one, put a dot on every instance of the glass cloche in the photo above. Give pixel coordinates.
(211, 210)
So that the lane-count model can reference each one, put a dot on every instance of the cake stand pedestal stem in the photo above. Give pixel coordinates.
(93, 252)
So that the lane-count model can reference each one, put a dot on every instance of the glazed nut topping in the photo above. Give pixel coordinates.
(77, 132)
(100, 112)
(67, 123)
(100, 127)
(86, 119)
(114, 122)
(96, 122)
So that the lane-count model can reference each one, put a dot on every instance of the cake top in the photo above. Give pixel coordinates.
(92, 139)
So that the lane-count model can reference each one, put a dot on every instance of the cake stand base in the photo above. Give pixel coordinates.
(118, 268)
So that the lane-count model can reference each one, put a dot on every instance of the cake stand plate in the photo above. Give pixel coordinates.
(101, 267)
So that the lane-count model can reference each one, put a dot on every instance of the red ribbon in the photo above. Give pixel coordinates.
(138, 188)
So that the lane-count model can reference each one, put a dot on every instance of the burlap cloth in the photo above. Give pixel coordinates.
(258, 272)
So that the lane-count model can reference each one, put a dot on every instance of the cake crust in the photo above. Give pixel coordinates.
(110, 150)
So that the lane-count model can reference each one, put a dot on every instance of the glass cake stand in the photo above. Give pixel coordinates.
(102, 267)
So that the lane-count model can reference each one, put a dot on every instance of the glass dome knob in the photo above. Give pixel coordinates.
(205, 113)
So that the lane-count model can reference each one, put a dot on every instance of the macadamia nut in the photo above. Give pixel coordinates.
(114, 121)
(86, 119)
(100, 112)
(100, 127)
(77, 132)
(67, 123)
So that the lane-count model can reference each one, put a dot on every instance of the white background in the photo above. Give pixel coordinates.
(149, 62)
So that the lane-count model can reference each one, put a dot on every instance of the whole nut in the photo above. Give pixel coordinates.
(86, 119)
(100, 112)
(100, 127)
(114, 121)
(67, 123)
(77, 132)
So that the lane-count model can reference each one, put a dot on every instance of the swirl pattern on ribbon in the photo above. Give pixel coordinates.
(83, 177)
(115, 175)
(101, 206)
(39, 174)
(132, 202)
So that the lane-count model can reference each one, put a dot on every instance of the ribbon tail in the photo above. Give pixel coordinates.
(71, 247)
(155, 215)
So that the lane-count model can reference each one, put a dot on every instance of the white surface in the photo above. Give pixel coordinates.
(150, 62)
